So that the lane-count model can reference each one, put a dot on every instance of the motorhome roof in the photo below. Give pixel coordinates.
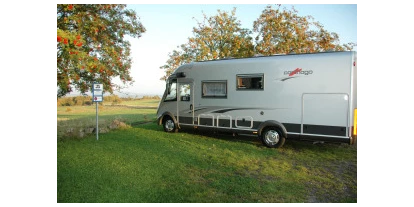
(192, 64)
(263, 56)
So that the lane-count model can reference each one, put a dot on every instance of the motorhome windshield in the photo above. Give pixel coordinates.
(171, 90)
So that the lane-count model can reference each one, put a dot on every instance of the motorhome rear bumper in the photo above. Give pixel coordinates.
(353, 140)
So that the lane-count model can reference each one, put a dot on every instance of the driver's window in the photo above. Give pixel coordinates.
(172, 91)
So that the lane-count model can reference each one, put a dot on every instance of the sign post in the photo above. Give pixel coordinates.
(97, 96)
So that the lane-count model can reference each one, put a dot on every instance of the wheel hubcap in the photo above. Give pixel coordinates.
(169, 125)
(272, 137)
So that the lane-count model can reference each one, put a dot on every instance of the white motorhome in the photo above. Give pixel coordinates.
(305, 96)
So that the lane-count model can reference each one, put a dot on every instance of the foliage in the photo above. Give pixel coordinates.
(220, 36)
(216, 37)
(91, 45)
(278, 31)
(282, 31)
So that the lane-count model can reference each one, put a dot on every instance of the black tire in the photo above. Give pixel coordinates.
(169, 125)
(272, 137)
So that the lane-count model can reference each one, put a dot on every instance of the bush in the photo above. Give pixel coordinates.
(75, 101)
(66, 101)
(87, 103)
(80, 100)
(151, 97)
(87, 100)
(114, 99)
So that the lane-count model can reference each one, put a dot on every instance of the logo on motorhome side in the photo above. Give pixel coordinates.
(293, 73)
(298, 71)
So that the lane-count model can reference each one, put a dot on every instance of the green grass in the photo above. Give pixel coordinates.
(145, 164)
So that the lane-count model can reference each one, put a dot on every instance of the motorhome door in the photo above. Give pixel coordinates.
(185, 102)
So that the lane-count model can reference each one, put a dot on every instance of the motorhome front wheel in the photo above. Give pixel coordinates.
(169, 125)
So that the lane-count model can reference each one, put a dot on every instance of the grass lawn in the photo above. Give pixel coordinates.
(142, 163)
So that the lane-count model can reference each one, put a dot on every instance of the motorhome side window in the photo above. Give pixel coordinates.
(171, 90)
(250, 82)
(185, 92)
(214, 89)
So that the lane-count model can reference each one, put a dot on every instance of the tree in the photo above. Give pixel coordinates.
(282, 31)
(279, 31)
(177, 58)
(217, 37)
(91, 46)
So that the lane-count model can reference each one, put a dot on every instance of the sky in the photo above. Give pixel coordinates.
(168, 26)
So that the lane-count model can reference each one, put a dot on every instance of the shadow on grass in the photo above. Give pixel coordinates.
(295, 144)
(242, 138)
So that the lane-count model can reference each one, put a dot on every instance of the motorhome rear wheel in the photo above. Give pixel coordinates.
(272, 137)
